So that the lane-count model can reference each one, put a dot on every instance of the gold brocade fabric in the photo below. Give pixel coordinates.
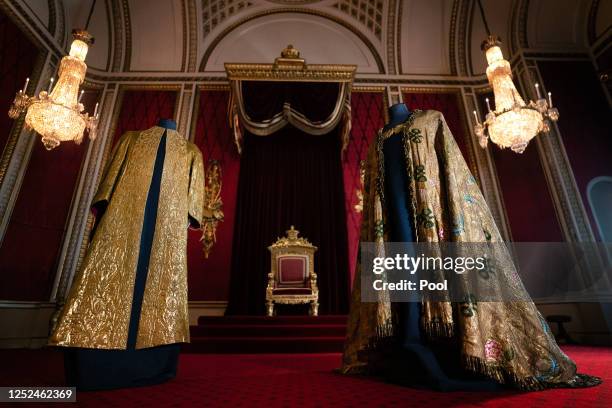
(98, 307)
(507, 341)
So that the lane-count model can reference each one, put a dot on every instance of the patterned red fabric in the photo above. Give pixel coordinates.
(32, 244)
(367, 117)
(17, 57)
(292, 270)
(141, 109)
(209, 278)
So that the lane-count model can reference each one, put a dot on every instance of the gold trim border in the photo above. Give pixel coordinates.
(272, 72)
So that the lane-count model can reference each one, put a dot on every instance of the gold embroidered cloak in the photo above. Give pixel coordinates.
(97, 310)
(507, 341)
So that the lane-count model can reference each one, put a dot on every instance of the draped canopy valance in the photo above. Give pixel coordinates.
(267, 97)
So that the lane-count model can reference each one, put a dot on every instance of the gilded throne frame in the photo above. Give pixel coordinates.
(300, 252)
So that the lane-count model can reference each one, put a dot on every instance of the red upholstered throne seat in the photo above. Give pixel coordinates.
(292, 279)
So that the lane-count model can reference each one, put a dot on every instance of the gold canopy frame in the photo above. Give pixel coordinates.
(289, 67)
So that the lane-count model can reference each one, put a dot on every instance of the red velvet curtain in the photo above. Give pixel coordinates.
(209, 278)
(141, 109)
(367, 117)
(32, 243)
(17, 58)
(289, 178)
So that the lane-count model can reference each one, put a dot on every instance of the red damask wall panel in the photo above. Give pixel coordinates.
(209, 278)
(141, 109)
(368, 116)
(17, 59)
(31, 247)
(584, 123)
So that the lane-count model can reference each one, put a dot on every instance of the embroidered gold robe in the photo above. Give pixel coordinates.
(97, 310)
(507, 341)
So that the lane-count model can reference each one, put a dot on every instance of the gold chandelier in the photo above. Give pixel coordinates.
(512, 123)
(57, 114)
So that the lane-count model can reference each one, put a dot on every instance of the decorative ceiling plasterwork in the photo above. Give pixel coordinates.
(391, 38)
(294, 10)
(452, 51)
(193, 35)
(462, 47)
(118, 24)
(375, 22)
(368, 12)
(215, 12)
(128, 35)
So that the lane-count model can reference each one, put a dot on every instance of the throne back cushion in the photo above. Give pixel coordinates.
(292, 270)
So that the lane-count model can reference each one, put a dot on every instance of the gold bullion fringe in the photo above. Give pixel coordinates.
(438, 329)
(500, 374)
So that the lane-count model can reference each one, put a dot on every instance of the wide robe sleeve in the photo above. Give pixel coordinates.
(196, 188)
(113, 170)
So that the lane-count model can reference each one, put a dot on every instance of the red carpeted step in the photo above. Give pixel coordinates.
(232, 320)
(261, 334)
(266, 330)
(264, 345)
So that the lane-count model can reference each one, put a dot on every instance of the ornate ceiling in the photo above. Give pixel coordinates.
(434, 38)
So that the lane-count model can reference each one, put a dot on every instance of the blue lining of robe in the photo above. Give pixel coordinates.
(97, 369)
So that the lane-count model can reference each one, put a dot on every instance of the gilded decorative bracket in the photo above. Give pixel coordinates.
(213, 206)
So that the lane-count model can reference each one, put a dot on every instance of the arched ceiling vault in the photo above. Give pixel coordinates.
(437, 38)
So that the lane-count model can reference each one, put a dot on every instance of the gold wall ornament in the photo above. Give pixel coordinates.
(290, 67)
(213, 206)
(57, 113)
(359, 191)
(294, 249)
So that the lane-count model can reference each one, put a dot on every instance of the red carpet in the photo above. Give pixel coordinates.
(260, 334)
(298, 380)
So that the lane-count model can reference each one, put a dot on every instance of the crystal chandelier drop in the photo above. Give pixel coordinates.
(57, 114)
(512, 123)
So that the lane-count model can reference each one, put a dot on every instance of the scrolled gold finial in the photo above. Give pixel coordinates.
(290, 52)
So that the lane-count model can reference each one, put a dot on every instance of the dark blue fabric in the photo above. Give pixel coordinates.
(97, 369)
(428, 365)
(146, 242)
(167, 124)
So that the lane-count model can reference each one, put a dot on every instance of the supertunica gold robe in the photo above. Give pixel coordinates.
(98, 307)
(506, 341)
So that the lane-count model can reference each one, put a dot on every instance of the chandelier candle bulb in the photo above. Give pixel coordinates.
(50, 85)
(81, 95)
(96, 110)
(550, 105)
(488, 105)
(476, 117)
(537, 87)
(25, 86)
